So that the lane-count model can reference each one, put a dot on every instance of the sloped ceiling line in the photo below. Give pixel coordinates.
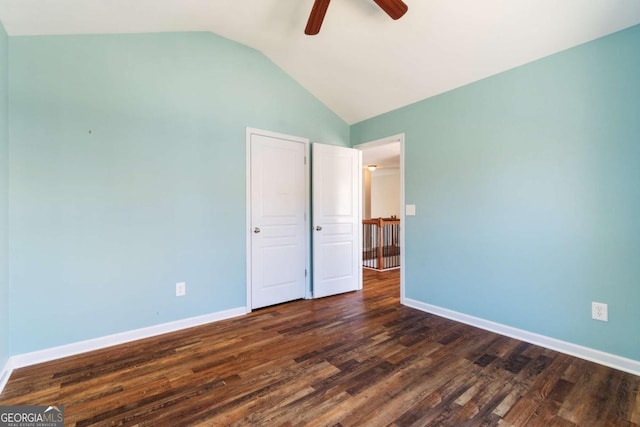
(362, 63)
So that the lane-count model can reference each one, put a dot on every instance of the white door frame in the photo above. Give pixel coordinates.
(383, 141)
(249, 240)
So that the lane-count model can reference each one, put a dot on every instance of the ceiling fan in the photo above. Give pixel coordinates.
(394, 8)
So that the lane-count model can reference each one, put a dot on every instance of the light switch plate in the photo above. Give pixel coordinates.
(181, 289)
(410, 210)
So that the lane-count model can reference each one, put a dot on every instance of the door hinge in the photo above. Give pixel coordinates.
(305, 160)
(305, 272)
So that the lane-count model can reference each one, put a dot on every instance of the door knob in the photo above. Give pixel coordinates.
(318, 228)
(256, 230)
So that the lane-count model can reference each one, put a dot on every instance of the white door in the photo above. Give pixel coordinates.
(336, 220)
(278, 227)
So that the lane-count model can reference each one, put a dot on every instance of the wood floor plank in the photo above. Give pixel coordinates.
(358, 359)
(635, 413)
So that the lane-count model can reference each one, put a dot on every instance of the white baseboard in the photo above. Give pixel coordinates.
(5, 373)
(607, 359)
(53, 353)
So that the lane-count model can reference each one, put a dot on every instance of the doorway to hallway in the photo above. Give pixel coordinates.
(383, 206)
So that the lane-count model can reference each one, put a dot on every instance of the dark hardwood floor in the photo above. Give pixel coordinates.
(359, 359)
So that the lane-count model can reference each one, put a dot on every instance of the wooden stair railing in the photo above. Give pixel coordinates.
(381, 243)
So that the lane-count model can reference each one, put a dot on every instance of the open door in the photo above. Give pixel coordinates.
(336, 220)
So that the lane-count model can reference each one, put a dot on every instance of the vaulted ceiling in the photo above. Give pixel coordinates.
(362, 63)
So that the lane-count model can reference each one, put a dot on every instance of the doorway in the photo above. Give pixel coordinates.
(383, 203)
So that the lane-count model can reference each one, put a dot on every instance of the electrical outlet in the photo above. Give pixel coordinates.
(600, 311)
(181, 289)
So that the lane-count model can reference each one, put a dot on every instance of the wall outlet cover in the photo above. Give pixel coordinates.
(600, 311)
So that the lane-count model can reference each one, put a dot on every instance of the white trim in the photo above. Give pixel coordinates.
(253, 131)
(5, 373)
(607, 359)
(307, 180)
(359, 221)
(394, 138)
(72, 349)
(247, 203)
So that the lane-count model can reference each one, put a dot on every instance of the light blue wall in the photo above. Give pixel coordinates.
(128, 175)
(527, 186)
(4, 201)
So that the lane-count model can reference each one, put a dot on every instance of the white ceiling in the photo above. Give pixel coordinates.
(362, 63)
(385, 156)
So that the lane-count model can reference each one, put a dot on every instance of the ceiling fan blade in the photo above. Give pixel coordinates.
(316, 17)
(394, 8)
